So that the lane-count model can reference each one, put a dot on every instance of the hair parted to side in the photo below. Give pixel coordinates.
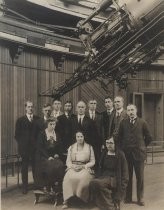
(110, 97)
(68, 102)
(28, 101)
(46, 105)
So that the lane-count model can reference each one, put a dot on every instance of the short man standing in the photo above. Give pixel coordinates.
(26, 141)
(64, 126)
(133, 137)
(40, 124)
(56, 106)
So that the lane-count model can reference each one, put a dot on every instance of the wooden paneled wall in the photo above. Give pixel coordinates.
(34, 73)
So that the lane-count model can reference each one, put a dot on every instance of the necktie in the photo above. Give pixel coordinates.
(117, 114)
(92, 116)
(80, 121)
(30, 118)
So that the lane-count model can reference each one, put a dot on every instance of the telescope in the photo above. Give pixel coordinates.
(130, 37)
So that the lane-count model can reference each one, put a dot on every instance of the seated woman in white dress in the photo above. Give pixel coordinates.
(80, 160)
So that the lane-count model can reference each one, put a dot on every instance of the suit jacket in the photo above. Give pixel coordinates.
(39, 125)
(116, 123)
(134, 138)
(24, 135)
(88, 128)
(41, 151)
(97, 121)
(64, 128)
(107, 124)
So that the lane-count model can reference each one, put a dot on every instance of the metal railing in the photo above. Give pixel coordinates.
(6, 162)
(154, 148)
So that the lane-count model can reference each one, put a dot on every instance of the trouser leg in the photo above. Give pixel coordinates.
(139, 171)
(130, 182)
(33, 164)
(24, 171)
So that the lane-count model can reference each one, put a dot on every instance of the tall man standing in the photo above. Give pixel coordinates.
(120, 114)
(133, 137)
(84, 123)
(26, 142)
(107, 119)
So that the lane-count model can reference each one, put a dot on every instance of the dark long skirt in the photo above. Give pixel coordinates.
(49, 172)
(101, 194)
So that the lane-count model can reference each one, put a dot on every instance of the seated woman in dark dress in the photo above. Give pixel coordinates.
(49, 167)
(108, 189)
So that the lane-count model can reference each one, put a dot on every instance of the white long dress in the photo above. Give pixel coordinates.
(76, 183)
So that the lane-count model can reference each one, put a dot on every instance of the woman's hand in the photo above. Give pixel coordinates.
(86, 167)
(50, 158)
(56, 156)
(78, 167)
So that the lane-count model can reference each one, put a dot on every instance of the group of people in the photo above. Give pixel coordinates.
(91, 154)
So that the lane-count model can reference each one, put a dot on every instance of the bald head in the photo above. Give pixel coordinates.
(81, 107)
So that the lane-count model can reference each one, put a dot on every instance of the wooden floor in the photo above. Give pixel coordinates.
(154, 195)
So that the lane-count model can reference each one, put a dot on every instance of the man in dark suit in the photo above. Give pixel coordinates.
(26, 142)
(133, 137)
(107, 119)
(97, 120)
(64, 126)
(56, 106)
(40, 124)
(120, 114)
(85, 124)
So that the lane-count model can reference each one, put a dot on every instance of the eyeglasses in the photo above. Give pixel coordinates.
(93, 103)
(109, 143)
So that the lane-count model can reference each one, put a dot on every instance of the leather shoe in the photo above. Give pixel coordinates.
(24, 190)
(128, 201)
(141, 203)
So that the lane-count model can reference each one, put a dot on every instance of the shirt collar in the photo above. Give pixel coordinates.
(45, 118)
(110, 111)
(119, 111)
(80, 116)
(91, 112)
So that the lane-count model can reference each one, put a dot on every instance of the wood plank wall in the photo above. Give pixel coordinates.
(34, 73)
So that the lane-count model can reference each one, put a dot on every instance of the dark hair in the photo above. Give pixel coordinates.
(46, 105)
(79, 131)
(50, 119)
(108, 97)
(119, 97)
(68, 102)
(56, 99)
(28, 102)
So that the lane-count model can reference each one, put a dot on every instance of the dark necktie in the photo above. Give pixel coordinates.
(80, 121)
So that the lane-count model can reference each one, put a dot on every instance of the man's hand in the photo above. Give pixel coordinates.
(50, 158)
